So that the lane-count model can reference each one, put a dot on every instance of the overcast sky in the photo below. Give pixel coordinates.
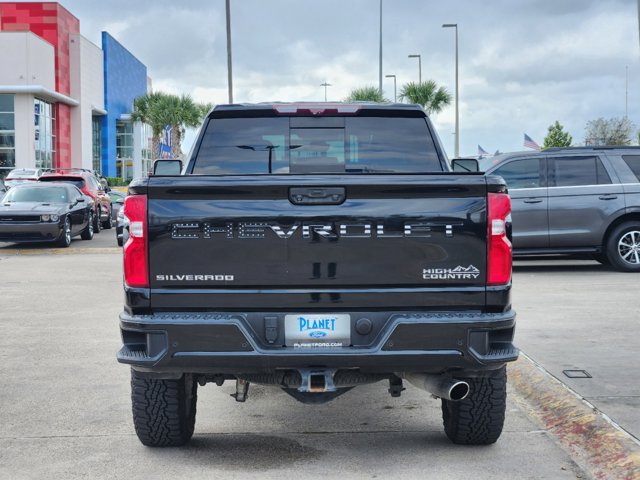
(523, 64)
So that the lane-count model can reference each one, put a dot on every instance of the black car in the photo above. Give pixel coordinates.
(579, 200)
(45, 212)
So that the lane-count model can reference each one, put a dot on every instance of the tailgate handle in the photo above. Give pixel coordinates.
(317, 195)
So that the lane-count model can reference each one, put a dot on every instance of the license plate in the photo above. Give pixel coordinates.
(317, 330)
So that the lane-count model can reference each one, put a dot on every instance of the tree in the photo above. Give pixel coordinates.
(615, 131)
(557, 137)
(159, 110)
(366, 94)
(426, 94)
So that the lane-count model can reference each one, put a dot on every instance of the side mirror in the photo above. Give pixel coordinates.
(167, 167)
(465, 165)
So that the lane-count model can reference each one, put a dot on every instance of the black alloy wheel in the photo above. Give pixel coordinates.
(65, 236)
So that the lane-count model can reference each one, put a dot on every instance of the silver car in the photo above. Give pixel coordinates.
(22, 175)
(579, 200)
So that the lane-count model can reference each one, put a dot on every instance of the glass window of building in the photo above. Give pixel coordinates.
(96, 144)
(124, 149)
(7, 135)
(45, 133)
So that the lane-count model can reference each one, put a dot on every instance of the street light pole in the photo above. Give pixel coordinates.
(457, 145)
(395, 97)
(626, 92)
(419, 66)
(325, 85)
(229, 67)
(380, 69)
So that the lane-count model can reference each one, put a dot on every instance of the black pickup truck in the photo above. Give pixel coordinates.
(315, 248)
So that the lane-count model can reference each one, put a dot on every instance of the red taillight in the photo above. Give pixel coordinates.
(499, 245)
(136, 259)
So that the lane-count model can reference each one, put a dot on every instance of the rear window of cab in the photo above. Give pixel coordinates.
(307, 145)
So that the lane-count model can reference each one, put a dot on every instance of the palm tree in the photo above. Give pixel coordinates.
(366, 94)
(159, 110)
(146, 109)
(427, 94)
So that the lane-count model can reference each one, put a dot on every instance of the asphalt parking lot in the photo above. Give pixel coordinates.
(581, 319)
(65, 410)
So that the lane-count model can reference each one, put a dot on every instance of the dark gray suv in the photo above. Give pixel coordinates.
(582, 200)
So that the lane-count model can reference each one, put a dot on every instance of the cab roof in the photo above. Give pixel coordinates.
(313, 109)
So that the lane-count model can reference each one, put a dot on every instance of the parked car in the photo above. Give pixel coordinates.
(88, 183)
(580, 200)
(121, 224)
(117, 200)
(22, 175)
(46, 212)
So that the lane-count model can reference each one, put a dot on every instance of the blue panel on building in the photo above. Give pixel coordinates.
(125, 79)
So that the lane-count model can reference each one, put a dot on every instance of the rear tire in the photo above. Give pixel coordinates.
(87, 233)
(97, 224)
(479, 418)
(623, 247)
(164, 411)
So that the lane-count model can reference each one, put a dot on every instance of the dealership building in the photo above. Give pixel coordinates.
(64, 101)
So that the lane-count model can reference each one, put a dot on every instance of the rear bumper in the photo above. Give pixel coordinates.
(232, 343)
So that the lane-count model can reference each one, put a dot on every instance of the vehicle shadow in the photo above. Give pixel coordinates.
(583, 267)
(263, 452)
(27, 246)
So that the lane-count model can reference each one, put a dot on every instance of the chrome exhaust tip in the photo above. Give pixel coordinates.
(439, 385)
(459, 390)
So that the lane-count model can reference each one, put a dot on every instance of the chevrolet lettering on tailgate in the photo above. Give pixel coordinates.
(244, 230)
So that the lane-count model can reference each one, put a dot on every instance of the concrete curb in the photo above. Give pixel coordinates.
(594, 441)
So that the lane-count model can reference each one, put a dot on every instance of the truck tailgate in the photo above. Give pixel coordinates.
(359, 241)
